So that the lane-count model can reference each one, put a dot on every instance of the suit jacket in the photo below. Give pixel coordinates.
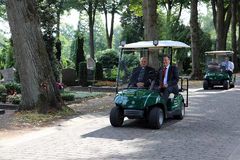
(173, 76)
(148, 74)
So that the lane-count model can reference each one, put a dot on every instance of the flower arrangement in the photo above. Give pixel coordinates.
(60, 86)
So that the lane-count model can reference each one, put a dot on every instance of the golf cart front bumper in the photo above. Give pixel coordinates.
(216, 82)
(133, 113)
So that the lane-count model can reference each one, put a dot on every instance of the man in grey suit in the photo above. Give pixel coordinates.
(142, 75)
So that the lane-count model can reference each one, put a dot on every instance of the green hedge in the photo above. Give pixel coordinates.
(99, 71)
(67, 96)
(3, 89)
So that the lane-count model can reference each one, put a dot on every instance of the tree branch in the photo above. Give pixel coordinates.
(180, 12)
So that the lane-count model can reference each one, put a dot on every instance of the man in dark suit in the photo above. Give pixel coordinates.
(142, 75)
(168, 78)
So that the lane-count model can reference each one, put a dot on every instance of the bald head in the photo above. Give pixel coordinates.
(143, 62)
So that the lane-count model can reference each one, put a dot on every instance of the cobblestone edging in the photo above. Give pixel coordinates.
(92, 89)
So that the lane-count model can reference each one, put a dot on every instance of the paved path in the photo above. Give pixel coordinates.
(210, 131)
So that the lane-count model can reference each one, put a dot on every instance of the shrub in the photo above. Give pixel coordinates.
(83, 73)
(131, 60)
(12, 88)
(2, 89)
(108, 58)
(67, 96)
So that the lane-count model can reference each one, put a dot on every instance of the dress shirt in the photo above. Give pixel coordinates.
(165, 76)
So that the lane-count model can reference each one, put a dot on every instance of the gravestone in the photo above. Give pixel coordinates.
(69, 77)
(8, 75)
(91, 64)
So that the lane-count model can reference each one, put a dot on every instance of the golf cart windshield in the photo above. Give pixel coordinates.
(131, 53)
(215, 59)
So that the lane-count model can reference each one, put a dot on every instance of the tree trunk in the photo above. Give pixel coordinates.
(234, 36)
(150, 28)
(110, 39)
(169, 21)
(106, 22)
(38, 84)
(221, 44)
(58, 24)
(214, 10)
(238, 12)
(91, 30)
(109, 36)
(91, 38)
(180, 12)
(194, 27)
(221, 22)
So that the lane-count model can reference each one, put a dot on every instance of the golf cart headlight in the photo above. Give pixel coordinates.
(155, 42)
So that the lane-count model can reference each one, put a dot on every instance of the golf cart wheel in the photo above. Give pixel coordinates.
(156, 118)
(116, 117)
(181, 114)
(205, 84)
(232, 85)
(226, 84)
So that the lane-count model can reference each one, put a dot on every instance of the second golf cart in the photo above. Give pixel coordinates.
(147, 103)
(216, 74)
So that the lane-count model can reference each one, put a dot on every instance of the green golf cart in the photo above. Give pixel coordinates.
(147, 103)
(216, 74)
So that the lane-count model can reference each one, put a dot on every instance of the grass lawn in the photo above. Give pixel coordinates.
(33, 118)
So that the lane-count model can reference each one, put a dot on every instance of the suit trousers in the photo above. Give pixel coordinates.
(167, 91)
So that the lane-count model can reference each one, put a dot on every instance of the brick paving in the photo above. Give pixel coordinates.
(210, 131)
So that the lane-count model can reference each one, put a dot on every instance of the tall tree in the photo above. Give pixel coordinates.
(47, 10)
(221, 18)
(194, 27)
(150, 28)
(38, 84)
(90, 7)
(169, 5)
(60, 9)
(110, 7)
(132, 25)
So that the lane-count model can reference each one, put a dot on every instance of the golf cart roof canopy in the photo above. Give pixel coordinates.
(220, 52)
(159, 44)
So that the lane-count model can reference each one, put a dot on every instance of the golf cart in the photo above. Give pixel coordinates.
(215, 73)
(147, 103)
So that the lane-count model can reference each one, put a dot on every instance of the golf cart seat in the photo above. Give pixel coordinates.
(213, 66)
(152, 86)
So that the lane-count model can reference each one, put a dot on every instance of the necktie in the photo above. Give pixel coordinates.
(163, 75)
(141, 75)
